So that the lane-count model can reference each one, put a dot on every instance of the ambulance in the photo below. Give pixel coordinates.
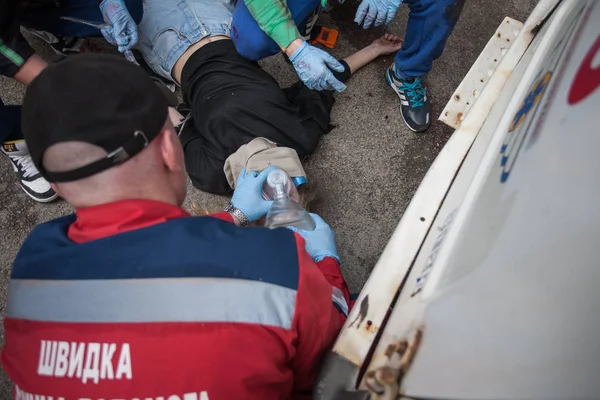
(489, 288)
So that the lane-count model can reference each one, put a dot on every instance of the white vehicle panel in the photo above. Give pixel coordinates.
(509, 307)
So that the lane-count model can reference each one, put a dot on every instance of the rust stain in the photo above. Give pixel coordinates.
(385, 382)
(411, 351)
(369, 327)
(456, 97)
(401, 347)
(390, 350)
(373, 385)
(459, 118)
(387, 375)
(396, 348)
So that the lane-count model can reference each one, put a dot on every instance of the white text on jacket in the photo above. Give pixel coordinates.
(22, 395)
(85, 361)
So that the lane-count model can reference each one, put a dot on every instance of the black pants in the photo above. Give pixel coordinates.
(10, 122)
(234, 101)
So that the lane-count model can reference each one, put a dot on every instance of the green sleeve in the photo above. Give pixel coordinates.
(274, 19)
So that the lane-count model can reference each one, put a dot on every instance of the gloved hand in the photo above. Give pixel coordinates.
(248, 194)
(320, 243)
(380, 11)
(312, 64)
(122, 31)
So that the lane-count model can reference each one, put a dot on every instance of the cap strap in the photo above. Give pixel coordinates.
(122, 154)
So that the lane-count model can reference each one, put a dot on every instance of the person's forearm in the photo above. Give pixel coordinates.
(361, 58)
(274, 18)
(293, 46)
(32, 68)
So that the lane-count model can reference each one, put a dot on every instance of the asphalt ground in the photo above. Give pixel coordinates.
(365, 171)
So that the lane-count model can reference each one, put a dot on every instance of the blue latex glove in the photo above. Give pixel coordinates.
(312, 66)
(320, 243)
(378, 11)
(248, 194)
(122, 31)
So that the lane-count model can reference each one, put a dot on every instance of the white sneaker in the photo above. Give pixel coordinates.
(30, 178)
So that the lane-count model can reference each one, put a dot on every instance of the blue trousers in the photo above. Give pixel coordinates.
(429, 25)
(48, 19)
(251, 42)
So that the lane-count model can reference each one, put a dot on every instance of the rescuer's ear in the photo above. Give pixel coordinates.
(171, 149)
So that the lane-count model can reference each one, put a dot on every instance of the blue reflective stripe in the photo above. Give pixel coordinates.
(186, 247)
(152, 300)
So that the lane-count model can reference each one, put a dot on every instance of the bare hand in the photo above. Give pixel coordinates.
(387, 44)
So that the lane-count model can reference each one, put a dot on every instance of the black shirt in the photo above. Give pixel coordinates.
(234, 101)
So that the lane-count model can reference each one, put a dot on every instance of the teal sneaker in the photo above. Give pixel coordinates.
(414, 104)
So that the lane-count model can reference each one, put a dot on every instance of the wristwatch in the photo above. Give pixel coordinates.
(237, 213)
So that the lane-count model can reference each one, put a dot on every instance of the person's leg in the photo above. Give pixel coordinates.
(251, 42)
(48, 19)
(10, 126)
(13, 146)
(430, 23)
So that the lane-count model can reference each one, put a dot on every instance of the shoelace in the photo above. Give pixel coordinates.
(415, 91)
(26, 164)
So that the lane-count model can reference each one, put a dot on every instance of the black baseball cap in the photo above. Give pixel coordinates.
(94, 98)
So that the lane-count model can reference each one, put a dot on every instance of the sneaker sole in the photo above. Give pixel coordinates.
(41, 36)
(389, 81)
(38, 199)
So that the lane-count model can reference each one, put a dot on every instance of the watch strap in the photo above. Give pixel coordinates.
(238, 214)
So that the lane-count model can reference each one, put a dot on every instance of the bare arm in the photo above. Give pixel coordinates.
(387, 44)
(32, 67)
(361, 58)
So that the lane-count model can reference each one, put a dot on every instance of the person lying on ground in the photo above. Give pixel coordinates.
(232, 99)
(133, 298)
(19, 61)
